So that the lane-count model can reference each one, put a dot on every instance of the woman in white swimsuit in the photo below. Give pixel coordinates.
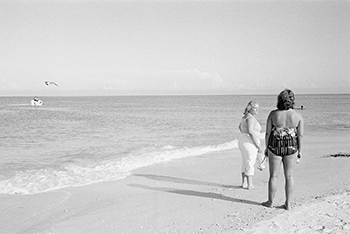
(249, 143)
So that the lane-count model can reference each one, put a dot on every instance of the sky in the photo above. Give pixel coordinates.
(169, 47)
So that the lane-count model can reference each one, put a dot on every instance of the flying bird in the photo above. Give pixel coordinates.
(50, 82)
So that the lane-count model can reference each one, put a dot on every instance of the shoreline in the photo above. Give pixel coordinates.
(46, 179)
(199, 194)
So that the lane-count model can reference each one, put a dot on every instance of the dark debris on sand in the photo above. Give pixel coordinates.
(341, 154)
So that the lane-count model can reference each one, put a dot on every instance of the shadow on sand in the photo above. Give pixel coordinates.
(196, 194)
(185, 181)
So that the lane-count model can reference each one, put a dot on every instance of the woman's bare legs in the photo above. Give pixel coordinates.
(247, 181)
(250, 182)
(244, 182)
(288, 165)
(274, 169)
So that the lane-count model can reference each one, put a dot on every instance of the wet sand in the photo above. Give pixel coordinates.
(194, 195)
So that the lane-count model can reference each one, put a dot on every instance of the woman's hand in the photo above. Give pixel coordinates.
(298, 157)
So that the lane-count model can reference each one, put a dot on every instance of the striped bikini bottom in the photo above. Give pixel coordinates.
(283, 141)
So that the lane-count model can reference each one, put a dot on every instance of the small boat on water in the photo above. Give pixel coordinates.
(36, 102)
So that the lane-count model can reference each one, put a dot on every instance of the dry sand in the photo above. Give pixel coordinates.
(328, 215)
(194, 195)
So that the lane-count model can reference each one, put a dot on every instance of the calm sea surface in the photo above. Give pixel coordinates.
(74, 141)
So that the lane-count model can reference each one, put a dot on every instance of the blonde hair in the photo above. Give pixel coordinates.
(250, 105)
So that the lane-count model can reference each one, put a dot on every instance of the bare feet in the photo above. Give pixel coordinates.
(250, 187)
(267, 204)
(287, 206)
(244, 185)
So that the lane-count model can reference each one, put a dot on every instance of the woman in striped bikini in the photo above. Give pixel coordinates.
(284, 131)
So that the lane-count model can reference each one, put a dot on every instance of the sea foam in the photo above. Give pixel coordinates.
(47, 179)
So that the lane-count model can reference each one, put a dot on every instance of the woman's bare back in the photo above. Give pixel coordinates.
(285, 118)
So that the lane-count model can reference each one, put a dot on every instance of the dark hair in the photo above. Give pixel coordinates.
(285, 100)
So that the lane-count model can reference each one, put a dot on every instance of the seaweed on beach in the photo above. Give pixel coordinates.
(341, 154)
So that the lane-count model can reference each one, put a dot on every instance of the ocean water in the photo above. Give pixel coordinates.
(75, 141)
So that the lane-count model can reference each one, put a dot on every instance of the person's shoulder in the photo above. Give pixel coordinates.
(297, 114)
(249, 117)
(273, 112)
(252, 119)
(246, 117)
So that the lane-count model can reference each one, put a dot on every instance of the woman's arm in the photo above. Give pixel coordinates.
(300, 129)
(268, 131)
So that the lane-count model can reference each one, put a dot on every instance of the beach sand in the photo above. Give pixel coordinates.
(194, 195)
